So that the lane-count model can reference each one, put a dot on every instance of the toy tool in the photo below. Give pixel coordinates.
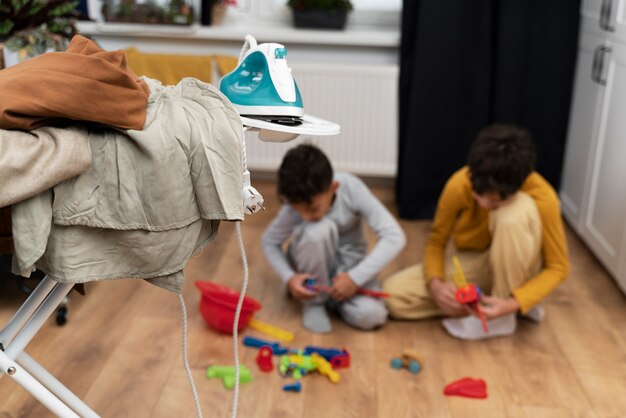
(255, 342)
(227, 374)
(270, 330)
(467, 387)
(468, 293)
(310, 284)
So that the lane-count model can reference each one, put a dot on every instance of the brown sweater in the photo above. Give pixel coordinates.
(84, 83)
(459, 215)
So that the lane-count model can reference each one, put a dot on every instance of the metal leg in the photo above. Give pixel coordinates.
(25, 311)
(56, 387)
(38, 319)
(29, 374)
(28, 382)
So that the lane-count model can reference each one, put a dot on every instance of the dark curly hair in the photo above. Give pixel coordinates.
(304, 173)
(500, 159)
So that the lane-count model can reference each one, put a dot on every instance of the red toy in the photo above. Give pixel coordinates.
(218, 305)
(468, 293)
(340, 361)
(264, 358)
(310, 284)
(467, 387)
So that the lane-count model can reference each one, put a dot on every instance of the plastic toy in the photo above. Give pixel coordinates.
(255, 342)
(293, 387)
(468, 293)
(325, 368)
(338, 358)
(264, 359)
(270, 330)
(218, 304)
(410, 359)
(296, 365)
(310, 284)
(467, 387)
(227, 374)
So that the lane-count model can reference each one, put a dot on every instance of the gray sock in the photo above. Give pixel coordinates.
(315, 318)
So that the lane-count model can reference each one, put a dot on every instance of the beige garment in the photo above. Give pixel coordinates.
(513, 258)
(150, 199)
(31, 162)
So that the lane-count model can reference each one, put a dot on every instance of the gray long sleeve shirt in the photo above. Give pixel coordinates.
(354, 203)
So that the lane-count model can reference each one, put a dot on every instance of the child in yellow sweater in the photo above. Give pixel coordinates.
(505, 222)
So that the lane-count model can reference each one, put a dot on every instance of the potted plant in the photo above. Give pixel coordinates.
(31, 27)
(214, 11)
(320, 14)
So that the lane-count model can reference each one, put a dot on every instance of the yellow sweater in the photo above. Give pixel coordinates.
(459, 215)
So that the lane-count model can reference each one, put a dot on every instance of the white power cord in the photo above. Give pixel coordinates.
(196, 400)
(242, 295)
(252, 203)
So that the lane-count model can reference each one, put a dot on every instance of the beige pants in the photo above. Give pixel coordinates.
(513, 257)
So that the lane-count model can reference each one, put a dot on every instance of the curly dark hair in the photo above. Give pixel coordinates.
(500, 159)
(304, 173)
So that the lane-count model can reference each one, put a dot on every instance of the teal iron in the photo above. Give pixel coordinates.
(262, 86)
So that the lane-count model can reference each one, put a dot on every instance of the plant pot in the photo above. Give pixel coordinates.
(218, 13)
(212, 12)
(320, 19)
(9, 57)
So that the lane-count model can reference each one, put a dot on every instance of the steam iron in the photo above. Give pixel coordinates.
(262, 85)
(265, 94)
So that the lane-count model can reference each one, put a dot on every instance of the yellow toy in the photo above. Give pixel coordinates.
(271, 330)
(324, 367)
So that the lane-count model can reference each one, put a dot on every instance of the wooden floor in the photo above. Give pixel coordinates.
(121, 349)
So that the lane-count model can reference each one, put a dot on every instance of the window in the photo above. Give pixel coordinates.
(366, 12)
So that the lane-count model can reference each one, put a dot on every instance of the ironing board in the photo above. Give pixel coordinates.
(47, 296)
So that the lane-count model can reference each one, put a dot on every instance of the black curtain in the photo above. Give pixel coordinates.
(465, 64)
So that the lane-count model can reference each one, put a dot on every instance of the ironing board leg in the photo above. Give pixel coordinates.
(56, 387)
(25, 311)
(28, 382)
(21, 329)
(38, 319)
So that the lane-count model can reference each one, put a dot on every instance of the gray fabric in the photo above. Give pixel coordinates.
(150, 199)
(313, 249)
(31, 162)
(354, 204)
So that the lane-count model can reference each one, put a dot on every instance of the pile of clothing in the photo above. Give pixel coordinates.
(110, 175)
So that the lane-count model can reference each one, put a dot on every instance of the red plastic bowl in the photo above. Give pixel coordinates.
(218, 304)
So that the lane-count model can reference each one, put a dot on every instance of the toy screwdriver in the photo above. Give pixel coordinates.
(468, 293)
(310, 284)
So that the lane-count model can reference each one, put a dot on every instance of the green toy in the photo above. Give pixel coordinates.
(227, 374)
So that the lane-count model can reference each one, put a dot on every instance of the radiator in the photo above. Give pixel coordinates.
(363, 100)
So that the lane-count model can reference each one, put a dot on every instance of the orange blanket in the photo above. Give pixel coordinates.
(84, 83)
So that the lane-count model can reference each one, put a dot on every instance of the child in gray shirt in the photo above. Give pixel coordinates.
(323, 221)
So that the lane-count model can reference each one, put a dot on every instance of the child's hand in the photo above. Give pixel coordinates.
(343, 287)
(494, 307)
(443, 293)
(297, 288)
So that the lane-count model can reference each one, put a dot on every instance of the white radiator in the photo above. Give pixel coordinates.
(363, 99)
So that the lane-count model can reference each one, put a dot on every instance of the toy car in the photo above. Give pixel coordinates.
(410, 359)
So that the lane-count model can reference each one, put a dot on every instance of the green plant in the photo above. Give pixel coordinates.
(56, 17)
(300, 5)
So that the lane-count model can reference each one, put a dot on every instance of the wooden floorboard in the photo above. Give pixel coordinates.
(121, 348)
